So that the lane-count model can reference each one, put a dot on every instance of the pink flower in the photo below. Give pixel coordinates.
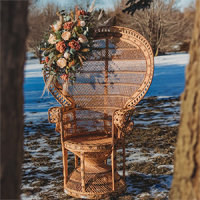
(74, 45)
(60, 46)
(52, 39)
(66, 35)
(81, 23)
(61, 62)
(82, 39)
(57, 26)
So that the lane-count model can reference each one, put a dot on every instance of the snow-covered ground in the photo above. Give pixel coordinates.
(168, 82)
(169, 75)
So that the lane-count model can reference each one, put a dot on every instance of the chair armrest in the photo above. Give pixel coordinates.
(55, 114)
(122, 120)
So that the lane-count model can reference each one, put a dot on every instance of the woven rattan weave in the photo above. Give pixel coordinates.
(96, 111)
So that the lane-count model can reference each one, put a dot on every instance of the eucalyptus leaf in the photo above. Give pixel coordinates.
(67, 18)
(46, 53)
(53, 58)
(72, 78)
(58, 40)
(58, 34)
(51, 55)
(73, 68)
(80, 30)
(75, 28)
(67, 70)
(72, 51)
(52, 73)
(74, 35)
(67, 50)
(77, 66)
(85, 33)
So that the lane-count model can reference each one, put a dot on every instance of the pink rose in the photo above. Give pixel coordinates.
(66, 35)
(52, 39)
(60, 46)
(82, 39)
(81, 23)
(57, 26)
(61, 62)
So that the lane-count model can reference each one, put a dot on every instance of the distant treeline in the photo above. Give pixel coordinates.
(164, 25)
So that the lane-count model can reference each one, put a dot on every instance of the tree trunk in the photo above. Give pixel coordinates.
(186, 183)
(13, 44)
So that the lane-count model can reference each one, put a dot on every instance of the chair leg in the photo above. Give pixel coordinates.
(114, 163)
(83, 171)
(65, 165)
(124, 159)
(113, 155)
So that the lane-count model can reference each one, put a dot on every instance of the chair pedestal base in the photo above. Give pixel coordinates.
(98, 183)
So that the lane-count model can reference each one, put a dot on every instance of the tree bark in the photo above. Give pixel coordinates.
(13, 45)
(186, 182)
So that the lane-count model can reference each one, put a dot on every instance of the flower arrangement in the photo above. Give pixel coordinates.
(67, 45)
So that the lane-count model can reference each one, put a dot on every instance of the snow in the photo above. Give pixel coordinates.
(168, 81)
(169, 75)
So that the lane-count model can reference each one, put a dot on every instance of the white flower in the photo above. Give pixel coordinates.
(57, 26)
(82, 39)
(66, 35)
(61, 62)
(66, 55)
(52, 39)
(82, 23)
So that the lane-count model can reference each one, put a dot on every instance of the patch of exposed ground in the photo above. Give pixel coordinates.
(149, 155)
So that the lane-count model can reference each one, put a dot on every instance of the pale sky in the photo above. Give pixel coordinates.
(108, 3)
(184, 3)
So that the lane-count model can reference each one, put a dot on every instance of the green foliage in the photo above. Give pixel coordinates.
(58, 35)
(65, 53)
(67, 18)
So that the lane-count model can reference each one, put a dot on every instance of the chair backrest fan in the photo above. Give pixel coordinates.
(116, 75)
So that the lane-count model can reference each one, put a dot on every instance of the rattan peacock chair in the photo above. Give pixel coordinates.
(96, 112)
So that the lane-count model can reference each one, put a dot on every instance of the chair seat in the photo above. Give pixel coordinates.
(92, 142)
